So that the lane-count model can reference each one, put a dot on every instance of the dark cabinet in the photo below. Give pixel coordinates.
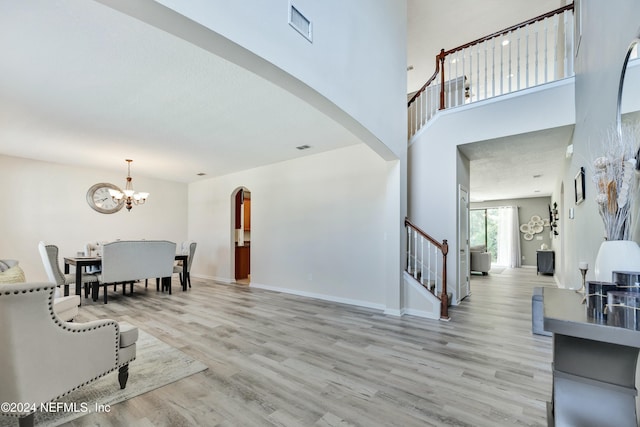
(546, 262)
(243, 261)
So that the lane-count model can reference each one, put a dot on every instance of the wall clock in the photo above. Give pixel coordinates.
(100, 200)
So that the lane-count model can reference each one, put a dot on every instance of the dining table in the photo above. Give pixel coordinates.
(81, 262)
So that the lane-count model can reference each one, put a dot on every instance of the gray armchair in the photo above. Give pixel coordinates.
(34, 341)
(480, 259)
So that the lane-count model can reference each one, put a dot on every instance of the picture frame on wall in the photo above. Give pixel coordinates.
(579, 186)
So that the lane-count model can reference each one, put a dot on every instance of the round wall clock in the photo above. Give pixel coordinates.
(101, 201)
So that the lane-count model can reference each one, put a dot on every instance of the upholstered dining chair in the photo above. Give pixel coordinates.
(49, 255)
(188, 248)
(126, 261)
(34, 341)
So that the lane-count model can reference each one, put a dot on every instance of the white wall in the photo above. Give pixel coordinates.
(354, 71)
(436, 167)
(341, 64)
(607, 33)
(318, 226)
(47, 201)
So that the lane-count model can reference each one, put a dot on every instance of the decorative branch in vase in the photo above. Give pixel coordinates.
(615, 177)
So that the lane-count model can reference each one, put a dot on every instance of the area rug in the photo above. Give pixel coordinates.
(157, 364)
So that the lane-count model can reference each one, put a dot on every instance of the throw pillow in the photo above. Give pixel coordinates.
(12, 275)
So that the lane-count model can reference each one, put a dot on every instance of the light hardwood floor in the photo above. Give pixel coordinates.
(282, 360)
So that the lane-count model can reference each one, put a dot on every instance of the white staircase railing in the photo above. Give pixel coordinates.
(528, 54)
(427, 263)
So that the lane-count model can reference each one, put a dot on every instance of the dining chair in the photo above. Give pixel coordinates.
(49, 255)
(127, 261)
(188, 248)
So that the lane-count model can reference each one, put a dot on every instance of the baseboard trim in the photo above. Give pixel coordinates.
(323, 297)
(223, 280)
(420, 313)
(393, 312)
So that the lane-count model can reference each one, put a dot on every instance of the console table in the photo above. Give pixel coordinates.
(546, 262)
(594, 365)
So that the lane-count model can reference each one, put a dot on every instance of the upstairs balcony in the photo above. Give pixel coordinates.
(531, 53)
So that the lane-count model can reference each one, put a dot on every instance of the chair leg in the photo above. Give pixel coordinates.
(181, 280)
(105, 293)
(166, 284)
(123, 376)
(189, 278)
(94, 291)
(27, 421)
(157, 283)
(131, 288)
(146, 283)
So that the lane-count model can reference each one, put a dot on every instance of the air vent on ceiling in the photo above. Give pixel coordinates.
(299, 22)
(303, 147)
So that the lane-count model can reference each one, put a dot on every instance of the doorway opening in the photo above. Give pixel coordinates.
(241, 235)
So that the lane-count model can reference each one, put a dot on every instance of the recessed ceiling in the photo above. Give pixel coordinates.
(516, 167)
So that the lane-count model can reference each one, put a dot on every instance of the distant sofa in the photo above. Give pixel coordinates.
(480, 259)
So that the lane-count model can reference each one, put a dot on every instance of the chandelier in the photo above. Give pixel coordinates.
(129, 196)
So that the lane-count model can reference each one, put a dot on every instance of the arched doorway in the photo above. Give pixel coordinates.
(241, 235)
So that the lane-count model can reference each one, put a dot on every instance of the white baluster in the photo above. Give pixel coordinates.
(546, 52)
(415, 255)
(422, 260)
(486, 70)
(412, 118)
(493, 69)
(555, 48)
(423, 110)
(526, 53)
(409, 249)
(518, 62)
(476, 88)
(536, 58)
(436, 288)
(464, 83)
(509, 72)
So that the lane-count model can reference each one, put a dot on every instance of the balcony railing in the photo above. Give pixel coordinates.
(534, 52)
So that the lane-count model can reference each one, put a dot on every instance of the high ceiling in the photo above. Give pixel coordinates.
(83, 84)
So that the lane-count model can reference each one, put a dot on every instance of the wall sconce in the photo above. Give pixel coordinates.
(553, 218)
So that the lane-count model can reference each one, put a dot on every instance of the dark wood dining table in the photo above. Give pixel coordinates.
(80, 262)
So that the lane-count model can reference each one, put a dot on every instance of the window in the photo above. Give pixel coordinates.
(483, 230)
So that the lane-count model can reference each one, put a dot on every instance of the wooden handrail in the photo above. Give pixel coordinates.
(433, 241)
(511, 28)
(422, 89)
(440, 58)
(444, 249)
